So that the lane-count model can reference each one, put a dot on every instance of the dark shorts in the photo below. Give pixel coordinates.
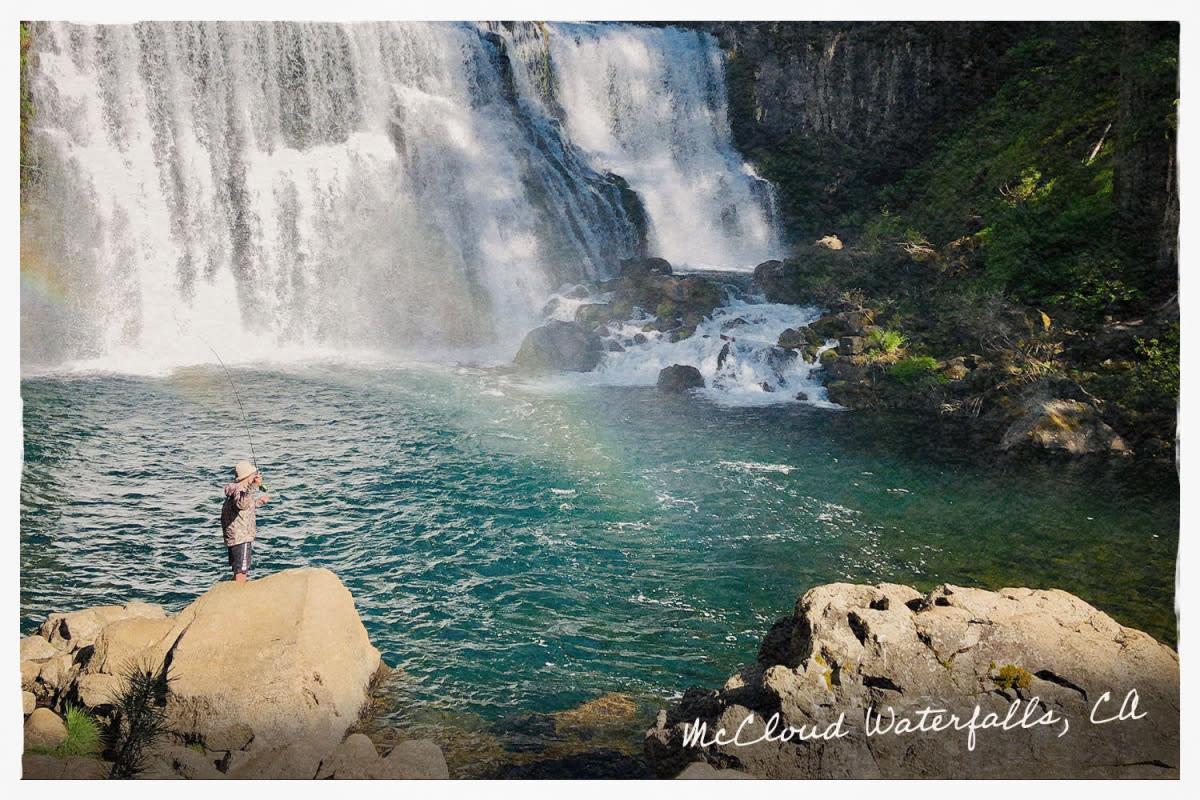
(239, 557)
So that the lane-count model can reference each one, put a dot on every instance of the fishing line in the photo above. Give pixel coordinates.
(232, 384)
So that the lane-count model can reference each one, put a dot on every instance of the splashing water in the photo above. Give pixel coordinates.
(281, 190)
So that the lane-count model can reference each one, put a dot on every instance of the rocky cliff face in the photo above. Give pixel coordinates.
(832, 112)
(851, 104)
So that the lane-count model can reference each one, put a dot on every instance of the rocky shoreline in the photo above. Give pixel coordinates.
(884, 682)
(263, 680)
(1015, 392)
(270, 680)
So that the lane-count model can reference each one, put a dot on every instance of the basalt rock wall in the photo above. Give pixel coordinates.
(832, 111)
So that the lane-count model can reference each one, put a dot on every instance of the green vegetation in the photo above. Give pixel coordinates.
(1024, 193)
(83, 736)
(140, 718)
(887, 340)
(1156, 373)
(1012, 677)
(914, 371)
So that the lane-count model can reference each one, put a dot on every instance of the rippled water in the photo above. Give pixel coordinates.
(523, 548)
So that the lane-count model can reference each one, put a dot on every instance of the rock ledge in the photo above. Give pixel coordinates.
(1033, 678)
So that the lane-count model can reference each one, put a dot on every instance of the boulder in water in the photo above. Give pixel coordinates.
(1060, 416)
(592, 315)
(559, 346)
(779, 282)
(641, 267)
(679, 378)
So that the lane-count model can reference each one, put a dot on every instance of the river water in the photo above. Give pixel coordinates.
(365, 232)
(519, 547)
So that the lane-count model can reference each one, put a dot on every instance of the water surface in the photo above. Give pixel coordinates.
(519, 548)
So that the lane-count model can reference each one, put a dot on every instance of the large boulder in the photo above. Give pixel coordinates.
(679, 378)
(559, 346)
(286, 655)
(641, 267)
(882, 682)
(281, 664)
(778, 282)
(131, 642)
(1057, 415)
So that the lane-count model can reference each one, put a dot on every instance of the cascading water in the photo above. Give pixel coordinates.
(405, 188)
(649, 104)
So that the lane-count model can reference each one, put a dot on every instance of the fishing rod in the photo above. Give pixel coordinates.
(236, 395)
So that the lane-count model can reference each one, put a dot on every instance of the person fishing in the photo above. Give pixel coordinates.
(238, 516)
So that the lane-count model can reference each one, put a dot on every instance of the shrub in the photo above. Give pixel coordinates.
(1012, 677)
(915, 370)
(889, 341)
(140, 718)
(1157, 373)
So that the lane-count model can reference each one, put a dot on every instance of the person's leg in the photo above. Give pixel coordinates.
(239, 561)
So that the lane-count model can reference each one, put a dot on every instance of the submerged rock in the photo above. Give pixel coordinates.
(1043, 660)
(559, 346)
(679, 378)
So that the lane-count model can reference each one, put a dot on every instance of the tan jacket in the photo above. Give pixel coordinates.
(237, 515)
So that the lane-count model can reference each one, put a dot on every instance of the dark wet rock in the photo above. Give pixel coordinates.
(831, 326)
(777, 281)
(843, 369)
(851, 346)
(559, 346)
(679, 378)
(640, 267)
(593, 314)
(792, 339)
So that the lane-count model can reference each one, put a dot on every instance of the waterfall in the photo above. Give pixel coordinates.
(272, 188)
(649, 104)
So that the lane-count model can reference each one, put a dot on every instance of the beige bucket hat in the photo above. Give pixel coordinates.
(243, 470)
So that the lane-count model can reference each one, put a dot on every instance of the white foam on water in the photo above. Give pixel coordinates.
(734, 350)
(398, 188)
